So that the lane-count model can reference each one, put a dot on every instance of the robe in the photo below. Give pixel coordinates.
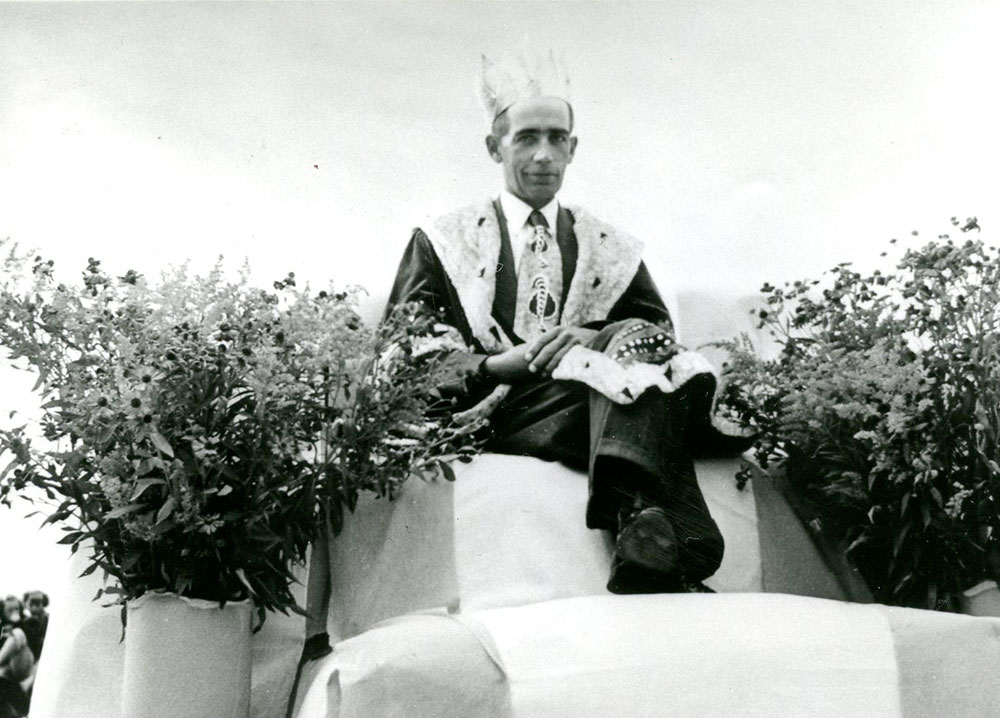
(633, 421)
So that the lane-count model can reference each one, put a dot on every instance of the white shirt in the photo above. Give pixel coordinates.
(517, 211)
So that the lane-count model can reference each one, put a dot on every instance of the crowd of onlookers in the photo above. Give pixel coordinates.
(24, 622)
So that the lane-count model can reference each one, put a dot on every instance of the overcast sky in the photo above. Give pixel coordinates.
(743, 142)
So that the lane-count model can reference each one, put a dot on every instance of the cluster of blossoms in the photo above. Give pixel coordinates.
(197, 431)
(882, 409)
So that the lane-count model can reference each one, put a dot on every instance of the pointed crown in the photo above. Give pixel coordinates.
(529, 75)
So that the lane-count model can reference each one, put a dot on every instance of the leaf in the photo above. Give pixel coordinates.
(898, 544)
(9, 466)
(163, 527)
(903, 582)
(932, 596)
(142, 484)
(123, 511)
(447, 471)
(89, 570)
(168, 508)
(69, 538)
(336, 518)
(864, 538)
(161, 443)
(242, 576)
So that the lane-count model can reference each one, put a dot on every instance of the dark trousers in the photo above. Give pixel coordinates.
(627, 450)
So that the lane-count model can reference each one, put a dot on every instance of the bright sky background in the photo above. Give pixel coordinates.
(743, 142)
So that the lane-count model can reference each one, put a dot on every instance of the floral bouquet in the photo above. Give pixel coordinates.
(197, 432)
(883, 408)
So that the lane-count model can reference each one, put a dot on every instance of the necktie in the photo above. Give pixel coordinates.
(539, 282)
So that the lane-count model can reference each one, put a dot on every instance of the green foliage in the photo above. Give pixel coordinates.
(196, 433)
(883, 408)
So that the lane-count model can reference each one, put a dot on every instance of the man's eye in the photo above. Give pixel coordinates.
(525, 139)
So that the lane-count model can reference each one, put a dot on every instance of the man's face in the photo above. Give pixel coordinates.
(36, 607)
(535, 149)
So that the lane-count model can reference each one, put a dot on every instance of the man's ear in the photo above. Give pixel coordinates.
(572, 148)
(493, 147)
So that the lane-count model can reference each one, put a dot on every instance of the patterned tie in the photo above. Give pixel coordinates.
(539, 282)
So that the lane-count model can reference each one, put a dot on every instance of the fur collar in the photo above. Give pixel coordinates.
(467, 242)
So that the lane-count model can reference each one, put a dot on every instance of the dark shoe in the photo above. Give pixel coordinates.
(645, 559)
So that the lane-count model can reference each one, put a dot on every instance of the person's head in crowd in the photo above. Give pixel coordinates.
(37, 603)
(13, 609)
(10, 616)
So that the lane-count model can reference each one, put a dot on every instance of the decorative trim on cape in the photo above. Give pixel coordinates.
(607, 262)
(467, 243)
(624, 383)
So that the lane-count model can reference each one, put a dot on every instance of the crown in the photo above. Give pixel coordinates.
(501, 84)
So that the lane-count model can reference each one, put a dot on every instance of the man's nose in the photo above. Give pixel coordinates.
(543, 152)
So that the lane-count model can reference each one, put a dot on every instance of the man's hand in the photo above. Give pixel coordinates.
(538, 358)
(509, 367)
(545, 352)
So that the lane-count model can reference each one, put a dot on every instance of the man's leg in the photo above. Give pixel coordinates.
(640, 459)
(633, 452)
(546, 419)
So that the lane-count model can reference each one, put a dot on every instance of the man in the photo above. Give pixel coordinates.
(37, 623)
(566, 343)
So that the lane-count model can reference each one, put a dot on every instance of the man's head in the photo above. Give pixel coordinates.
(533, 140)
(13, 609)
(37, 602)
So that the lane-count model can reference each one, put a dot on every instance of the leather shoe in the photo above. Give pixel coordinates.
(645, 558)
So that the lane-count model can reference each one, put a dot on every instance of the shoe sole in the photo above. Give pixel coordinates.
(649, 542)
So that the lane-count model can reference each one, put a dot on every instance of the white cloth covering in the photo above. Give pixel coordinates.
(508, 532)
(80, 674)
(747, 655)
(432, 665)
(393, 558)
(691, 655)
(186, 655)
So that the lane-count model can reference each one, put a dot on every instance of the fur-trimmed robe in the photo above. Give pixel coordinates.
(596, 406)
